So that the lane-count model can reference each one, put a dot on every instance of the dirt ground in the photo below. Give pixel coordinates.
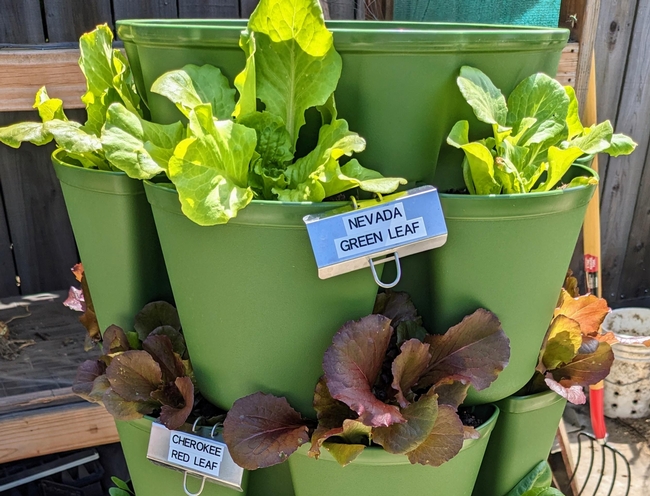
(631, 437)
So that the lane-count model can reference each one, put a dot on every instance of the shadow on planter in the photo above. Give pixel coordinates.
(255, 315)
(376, 472)
(116, 238)
(522, 438)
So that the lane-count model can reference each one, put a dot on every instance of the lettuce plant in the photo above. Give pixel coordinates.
(108, 80)
(386, 381)
(576, 353)
(537, 135)
(240, 149)
(142, 371)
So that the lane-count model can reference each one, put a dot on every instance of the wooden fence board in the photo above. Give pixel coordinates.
(246, 8)
(139, 9)
(44, 247)
(20, 22)
(623, 177)
(67, 20)
(635, 282)
(341, 9)
(23, 72)
(217, 9)
(7, 269)
(612, 47)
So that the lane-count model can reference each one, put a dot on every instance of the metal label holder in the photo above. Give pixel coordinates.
(229, 474)
(373, 232)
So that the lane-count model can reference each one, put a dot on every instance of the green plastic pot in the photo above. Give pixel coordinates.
(376, 472)
(508, 254)
(116, 238)
(255, 315)
(150, 479)
(522, 438)
(398, 85)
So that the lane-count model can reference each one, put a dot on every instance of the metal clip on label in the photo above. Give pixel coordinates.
(381, 284)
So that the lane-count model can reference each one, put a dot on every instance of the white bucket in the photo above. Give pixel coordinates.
(627, 388)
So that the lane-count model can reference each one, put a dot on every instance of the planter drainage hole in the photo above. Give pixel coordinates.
(615, 393)
(637, 391)
(614, 405)
(635, 401)
(633, 412)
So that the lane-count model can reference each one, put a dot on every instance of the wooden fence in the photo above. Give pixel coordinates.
(36, 242)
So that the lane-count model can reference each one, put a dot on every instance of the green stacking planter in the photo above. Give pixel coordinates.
(398, 85)
(522, 438)
(508, 254)
(150, 479)
(376, 472)
(255, 315)
(116, 238)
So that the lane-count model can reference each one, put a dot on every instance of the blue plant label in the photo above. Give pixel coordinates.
(205, 457)
(348, 239)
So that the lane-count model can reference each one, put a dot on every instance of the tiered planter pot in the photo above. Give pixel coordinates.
(522, 438)
(376, 472)
(150, 479)
(506, 253)
(116, 238)
(255, 315)
(398, 85)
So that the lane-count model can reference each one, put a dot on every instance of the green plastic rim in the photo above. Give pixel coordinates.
(529, 403)
(74, 174)
(365, 36)
(377, 456)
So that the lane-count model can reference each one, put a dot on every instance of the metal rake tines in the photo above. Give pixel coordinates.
(597, 485)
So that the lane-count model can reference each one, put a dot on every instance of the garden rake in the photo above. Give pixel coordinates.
(602, 477)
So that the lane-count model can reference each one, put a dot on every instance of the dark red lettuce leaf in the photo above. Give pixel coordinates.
(114, 340)
(134, 375)
(410, 330)
(123, 409)
(586, 369)
(408, 367)
(161, 350)
(444, 442)
(573, 393)
(331, 414)
(397, 306)
(177, 339)
(173, 416)
(85, 384)
(154, 315)
(352, 364)
(262, 430)
(451, 391)
(420, 419)
(477, 349)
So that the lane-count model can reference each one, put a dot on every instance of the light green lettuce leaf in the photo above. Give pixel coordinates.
(486, 100)
(141, 149)
(542, 98)
(508, 168)
(32, 132)
(48, 108)
(620, 145)
(573, 115)
(328, 111)
(366, 179)
(525, 124)
(594, 139)
(582, 181)
(481, 164)
(334, 141)
(559, 161)
(289, 80)
(273, 140)
(210, 169)
(311, 190)
(245, 80)
(193, 85)
(124, 83)
(96, 60)
(458, 136)
(72, 137)
(536, 482)
(298, 20)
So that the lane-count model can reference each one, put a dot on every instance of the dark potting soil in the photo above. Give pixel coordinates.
(470, 418)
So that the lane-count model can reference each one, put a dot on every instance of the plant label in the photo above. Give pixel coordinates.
(399, 225)
(202, 456)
